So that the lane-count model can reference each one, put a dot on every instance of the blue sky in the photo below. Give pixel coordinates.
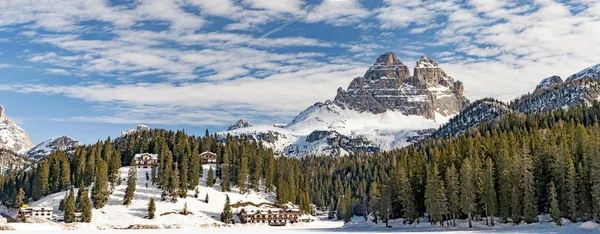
(93, 68)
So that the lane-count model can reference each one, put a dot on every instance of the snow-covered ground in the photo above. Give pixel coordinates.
(386, 131)
(357, 226)
(205, 216)
(116, 215)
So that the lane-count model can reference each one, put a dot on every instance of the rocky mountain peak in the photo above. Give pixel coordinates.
(45, 148)
(12, 137)
(592, 72)
(389, 66)
(388, 85)
(239, 124)
(549, 82)
(426, 62)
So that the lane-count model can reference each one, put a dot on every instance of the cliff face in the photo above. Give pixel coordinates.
(12, 137)
(388, 85)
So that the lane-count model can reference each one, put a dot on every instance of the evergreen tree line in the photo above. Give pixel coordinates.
(512, 169)
(242, 163)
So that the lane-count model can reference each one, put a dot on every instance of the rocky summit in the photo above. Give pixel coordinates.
(12, 137)
(386, 108)
(388, 85)
(239, 124)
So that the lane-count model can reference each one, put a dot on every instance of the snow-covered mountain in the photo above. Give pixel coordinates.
(384, 109)
(581, 88)
(239, 124)
(12, 137)
(479, 111)
(139, 128)
(45, 148)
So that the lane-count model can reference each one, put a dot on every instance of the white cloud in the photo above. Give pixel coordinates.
(337, 12)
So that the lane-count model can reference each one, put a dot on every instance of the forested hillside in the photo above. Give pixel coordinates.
(241, 163)
(513, 168)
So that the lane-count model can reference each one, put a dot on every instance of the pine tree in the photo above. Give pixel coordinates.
(131, 181)
(489, 191)
(435, 196)
(243, 174)
(529, 200)
(100, 189)
(79, 198)
(20, 199)
(452, 192)
(210, 180)
(196, 193)
(226, 215)
(70, 207)
(570, 191)
(151, 208)
(206, 198)
(86, 207)
(330, 211)
(183, 178)
(225, 170)
(174, 184)
(40, 181)
(467, 190)
(406, 197)
(554, 207)
(374, 201)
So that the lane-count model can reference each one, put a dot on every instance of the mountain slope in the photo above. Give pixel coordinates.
(581, 88)
(12, 137)
(384, 109)
(47, 147)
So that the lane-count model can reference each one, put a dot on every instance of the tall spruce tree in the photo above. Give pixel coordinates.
(529, 200)
(86, 207)
(467, 190)
(489, 191)
(210, 179)
(20, 199)
(70, 207)
(40, 181)
(226, 215)
(151, 208)
(131, 182)
(406, 197)
(243, 174)
(554, 207)
(435, 196)
(100, 188)
(452, 192)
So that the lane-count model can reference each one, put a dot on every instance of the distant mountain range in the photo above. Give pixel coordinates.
(386, 108)
(389, 108)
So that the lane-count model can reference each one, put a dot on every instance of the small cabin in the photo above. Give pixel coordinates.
(146, 160)
(26, 212)
(208, 157)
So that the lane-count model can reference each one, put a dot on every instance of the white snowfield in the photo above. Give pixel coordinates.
(387, 131)
(116, 215)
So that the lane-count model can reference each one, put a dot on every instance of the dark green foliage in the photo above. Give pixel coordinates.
(226, 215)
(151, 208)
(70, 207)
(131, 182)
(100, 190)
(206, 198)
(86, 207)
(554, 208)
(210, 179)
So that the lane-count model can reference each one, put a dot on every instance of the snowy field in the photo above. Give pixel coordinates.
(355, 227)
(204, 217)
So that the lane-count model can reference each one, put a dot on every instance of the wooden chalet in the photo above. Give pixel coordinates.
(26, 212)
(208, 157)
(146, 160)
